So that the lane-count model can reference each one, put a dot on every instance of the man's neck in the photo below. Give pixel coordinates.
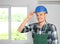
(40, 24)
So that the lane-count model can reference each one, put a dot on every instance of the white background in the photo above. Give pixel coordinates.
(52, 17)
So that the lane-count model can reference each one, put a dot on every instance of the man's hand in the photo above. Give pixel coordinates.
(30, 15)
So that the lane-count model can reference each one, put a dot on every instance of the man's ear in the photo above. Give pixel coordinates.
(45, 15)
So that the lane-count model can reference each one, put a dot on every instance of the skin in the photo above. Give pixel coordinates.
(41, 17)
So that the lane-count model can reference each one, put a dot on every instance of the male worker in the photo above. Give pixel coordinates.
(42, 31)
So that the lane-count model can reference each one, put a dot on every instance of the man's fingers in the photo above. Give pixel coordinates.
(32, 13)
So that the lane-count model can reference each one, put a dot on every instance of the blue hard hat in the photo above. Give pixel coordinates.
(40, 9)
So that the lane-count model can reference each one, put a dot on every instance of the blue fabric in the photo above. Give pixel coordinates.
(40, 9)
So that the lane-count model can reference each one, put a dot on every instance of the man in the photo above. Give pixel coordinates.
(42, 31)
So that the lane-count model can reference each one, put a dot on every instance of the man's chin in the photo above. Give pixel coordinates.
(40, 21)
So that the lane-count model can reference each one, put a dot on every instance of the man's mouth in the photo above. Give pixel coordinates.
(39, 18)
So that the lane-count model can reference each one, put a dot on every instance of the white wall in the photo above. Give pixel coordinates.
(31, 5)
(48, 0)
(52, 17)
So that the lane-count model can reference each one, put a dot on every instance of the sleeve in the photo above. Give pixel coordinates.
(54, 35)
(26, 29)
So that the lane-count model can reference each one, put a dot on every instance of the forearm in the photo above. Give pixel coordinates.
(20, 28)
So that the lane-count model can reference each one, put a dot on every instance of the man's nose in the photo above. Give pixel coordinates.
(39, 16)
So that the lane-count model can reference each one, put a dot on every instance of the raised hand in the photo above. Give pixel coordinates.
(30, 15)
